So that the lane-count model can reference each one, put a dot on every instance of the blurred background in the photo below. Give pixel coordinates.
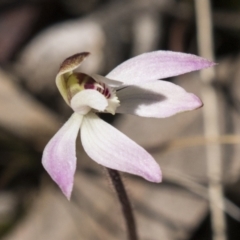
(35, 37)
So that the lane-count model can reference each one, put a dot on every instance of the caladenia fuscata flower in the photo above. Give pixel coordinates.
(133, 87)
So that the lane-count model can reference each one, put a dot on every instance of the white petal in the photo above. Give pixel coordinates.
(107, 81)
(158, 99)
(87, 99)
(59, 156)
(157, 65)
(111, 148)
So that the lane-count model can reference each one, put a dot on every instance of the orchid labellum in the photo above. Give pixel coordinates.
(133, 87)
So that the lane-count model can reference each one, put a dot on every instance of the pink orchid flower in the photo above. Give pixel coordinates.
(133, 88)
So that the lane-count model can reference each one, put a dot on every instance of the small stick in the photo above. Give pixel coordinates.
(211, 121)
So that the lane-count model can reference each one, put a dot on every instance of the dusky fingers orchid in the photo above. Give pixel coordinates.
(133, 87)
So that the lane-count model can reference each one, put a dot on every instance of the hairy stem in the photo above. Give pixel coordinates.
(125, 203)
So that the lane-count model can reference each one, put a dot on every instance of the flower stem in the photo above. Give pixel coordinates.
(125, 203)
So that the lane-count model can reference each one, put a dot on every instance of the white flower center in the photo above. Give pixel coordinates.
(77, 82)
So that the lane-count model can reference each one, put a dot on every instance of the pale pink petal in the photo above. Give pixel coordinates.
(157, 99)
(59, 156)
(157, 65)
(107, 81)
(111, 148)
(87, 99)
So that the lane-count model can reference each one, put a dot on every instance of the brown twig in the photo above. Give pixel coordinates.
(211, 121)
